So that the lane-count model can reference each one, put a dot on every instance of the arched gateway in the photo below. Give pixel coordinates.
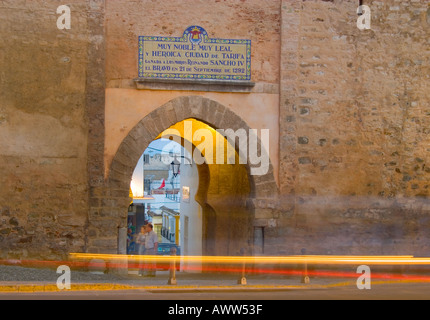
(108, 211)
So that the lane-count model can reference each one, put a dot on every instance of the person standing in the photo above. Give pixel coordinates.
(151, 248)
(141, 240)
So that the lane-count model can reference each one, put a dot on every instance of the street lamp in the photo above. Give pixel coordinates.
(175, 167)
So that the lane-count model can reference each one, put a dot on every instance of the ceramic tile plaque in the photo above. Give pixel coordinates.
(194, 56)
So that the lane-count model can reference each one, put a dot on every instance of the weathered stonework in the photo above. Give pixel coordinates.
(347, 110)
(43, 131)
(350, 93)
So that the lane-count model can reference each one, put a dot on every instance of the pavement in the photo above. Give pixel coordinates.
(24, 279)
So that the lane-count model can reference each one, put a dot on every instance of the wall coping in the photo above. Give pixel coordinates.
(194, 85)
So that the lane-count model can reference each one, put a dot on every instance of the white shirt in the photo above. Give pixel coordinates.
(151, 240)
(141, 238)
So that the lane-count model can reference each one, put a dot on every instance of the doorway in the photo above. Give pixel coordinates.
(224, 202)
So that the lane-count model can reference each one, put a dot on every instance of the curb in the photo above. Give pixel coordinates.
(24, 288)
(38, 288)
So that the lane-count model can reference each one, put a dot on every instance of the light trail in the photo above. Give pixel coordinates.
(258, 265)
(257, 260)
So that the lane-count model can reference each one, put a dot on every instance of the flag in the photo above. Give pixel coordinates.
(163, 184)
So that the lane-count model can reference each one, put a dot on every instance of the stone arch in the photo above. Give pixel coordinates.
(108, 206)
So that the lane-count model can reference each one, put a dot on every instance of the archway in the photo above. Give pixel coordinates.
(108, 210)
(223, 188)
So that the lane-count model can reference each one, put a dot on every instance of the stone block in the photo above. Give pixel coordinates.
(263, 214)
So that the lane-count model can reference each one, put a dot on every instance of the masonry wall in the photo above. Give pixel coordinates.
(354, 119)
(347, 108)
(44, 125)
(127, 20)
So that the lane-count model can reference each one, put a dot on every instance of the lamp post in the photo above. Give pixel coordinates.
(175, 167)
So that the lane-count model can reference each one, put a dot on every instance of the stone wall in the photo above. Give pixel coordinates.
(127, 20)
(43, 129)
(354, 134)
(351, 149)
(233, 19)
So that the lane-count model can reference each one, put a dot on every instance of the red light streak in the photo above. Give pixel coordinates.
(211, 268)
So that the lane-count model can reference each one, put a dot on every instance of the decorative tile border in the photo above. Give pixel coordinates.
(194, 56)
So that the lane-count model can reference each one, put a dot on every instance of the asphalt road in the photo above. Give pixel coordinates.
(303, 303)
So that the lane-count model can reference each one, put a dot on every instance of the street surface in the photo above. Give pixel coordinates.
(223, 303)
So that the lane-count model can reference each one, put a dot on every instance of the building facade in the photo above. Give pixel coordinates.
(347, 109)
